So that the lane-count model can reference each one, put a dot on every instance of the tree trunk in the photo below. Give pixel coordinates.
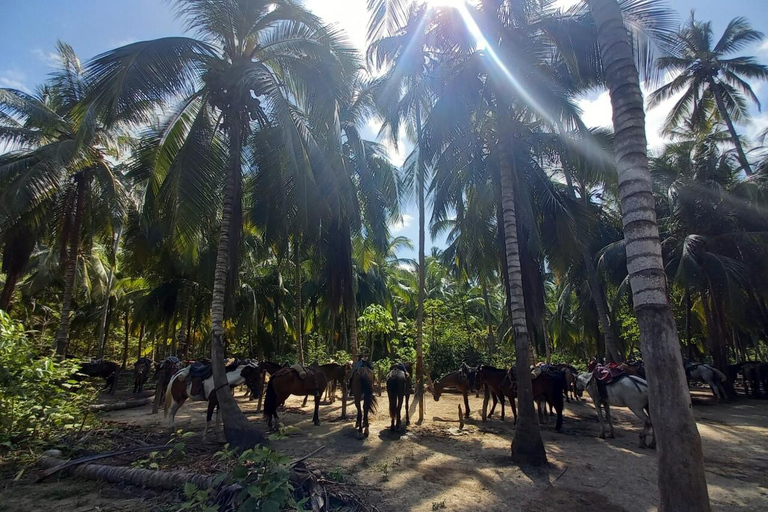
(527, 446)
(110, 280)
(70, 270)
(487, 304)
(141, 340)
(238, 432)
(731, 129)
(299, 326)
(184, 307)
(420, 178)
(612, 352)
(11, 278)
(125, 341)
(682, 481)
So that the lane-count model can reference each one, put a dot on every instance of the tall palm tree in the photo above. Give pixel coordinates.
(60, 168)
(253, 58)
(704, 73)
(404, 100)
(682, 481)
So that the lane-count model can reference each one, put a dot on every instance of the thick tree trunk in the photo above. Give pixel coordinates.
(70, 269)
(11, 278)
(420, 178)
(731, 129)
(299, 326)
(682, 481)
(110, 281)
(238, 432)
(527, 446)
(348, 297)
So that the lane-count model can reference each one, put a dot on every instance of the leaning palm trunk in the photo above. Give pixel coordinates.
(237, 430)
(731, 129)
(70, 270)
(682, 482)
(527, 446)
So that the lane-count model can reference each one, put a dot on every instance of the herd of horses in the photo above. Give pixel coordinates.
(553, 384)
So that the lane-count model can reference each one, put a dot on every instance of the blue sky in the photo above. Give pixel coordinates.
(29, 30)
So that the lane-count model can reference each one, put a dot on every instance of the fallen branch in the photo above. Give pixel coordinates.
(558, 478)
(310, 454)
(168, 480)
(119, 406)
(55, 468)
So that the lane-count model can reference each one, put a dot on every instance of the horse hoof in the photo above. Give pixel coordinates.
(392, 428)
(366, 434)
(317, 423)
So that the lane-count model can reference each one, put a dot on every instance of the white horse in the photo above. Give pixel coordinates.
(180, 389)
(711, 376)
(629, 391)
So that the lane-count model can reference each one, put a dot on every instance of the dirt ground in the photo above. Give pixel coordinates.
(437, 466)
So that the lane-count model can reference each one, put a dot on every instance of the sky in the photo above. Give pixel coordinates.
(29, 30)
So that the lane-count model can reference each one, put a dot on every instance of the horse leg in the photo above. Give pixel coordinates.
(466, 404)
(359, 413)
(485, 405)
(208, 413)
(344, 395)
(175, 406)
(514, 409)
(640, 413)
(610, 420)
(501, 399)
(598, 408)
(316, 417)
(407, 416)
(365, 419)
(399, 410)
(304, 403)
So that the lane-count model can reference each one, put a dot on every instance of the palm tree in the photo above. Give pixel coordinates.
(704, 73)
(253, 58)
(682, 481)
(61, 168)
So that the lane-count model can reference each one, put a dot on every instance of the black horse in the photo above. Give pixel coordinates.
(398, 388)
(107, 370)
(141, 370)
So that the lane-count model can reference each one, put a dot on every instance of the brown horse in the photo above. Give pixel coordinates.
(636, 368)
(362, 389)
(497, 386)
(107, 370)
(548, 387)
(141, 370)
(456, 380)
(286, 382)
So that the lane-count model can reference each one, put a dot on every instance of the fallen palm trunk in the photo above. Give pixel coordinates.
(118, 406)
(168, 480)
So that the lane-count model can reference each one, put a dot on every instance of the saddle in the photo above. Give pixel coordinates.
(606, 374)
(300, 370)
(200, 370)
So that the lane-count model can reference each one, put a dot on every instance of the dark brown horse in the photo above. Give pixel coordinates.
(362, 390)
(496, 386)
(755, 374)
(398, 388)
(286, 382)
(107, 370)
(141, 370)
(569, 373)
(457, 380)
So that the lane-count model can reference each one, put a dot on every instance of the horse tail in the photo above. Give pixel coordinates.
(270, 401)
(393, 392)
(369, 397)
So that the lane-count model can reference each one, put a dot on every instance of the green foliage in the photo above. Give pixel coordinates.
(39, 399)
(376, 321)
(261, 474)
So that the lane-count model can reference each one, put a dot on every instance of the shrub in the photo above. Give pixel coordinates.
(39, 399)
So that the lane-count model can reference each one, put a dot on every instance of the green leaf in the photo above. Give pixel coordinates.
(270, 506)
(189, 490)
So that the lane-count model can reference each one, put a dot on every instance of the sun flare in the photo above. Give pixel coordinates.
(446, 3)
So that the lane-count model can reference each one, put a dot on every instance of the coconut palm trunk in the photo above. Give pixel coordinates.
(612, 352)
(70, 269)
(731, 129)
(682, 482)
(184, 310)
(527, 446)
(110, 282)
(299, 328)
(420, 177)
(237, 430)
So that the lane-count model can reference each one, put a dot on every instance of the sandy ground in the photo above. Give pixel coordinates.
(436, 466)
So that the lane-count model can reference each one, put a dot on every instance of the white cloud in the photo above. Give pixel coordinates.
(405, 221)
(13, 79)
(51, 59)
(351, 16)
(763, 48)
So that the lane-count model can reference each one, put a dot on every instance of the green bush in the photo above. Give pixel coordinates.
(39, 401)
